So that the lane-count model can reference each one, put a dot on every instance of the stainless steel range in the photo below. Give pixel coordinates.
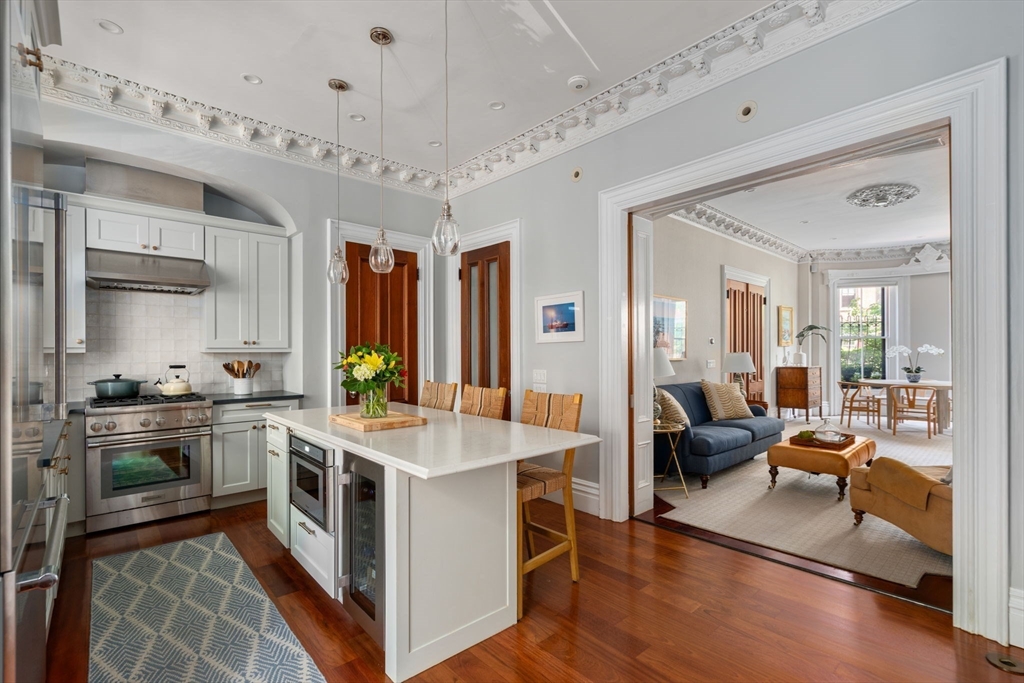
(147, 458)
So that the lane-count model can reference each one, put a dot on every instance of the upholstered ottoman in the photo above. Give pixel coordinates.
(821, 460)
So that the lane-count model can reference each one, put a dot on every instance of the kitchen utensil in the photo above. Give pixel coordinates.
(248, 369)
(116, 387)
(255, 369)
(176, 386)
(228, 368)
(239, 368)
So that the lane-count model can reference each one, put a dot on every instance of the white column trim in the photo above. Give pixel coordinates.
(509, 231)
(731, 273)
(340, 232)
(974, 101)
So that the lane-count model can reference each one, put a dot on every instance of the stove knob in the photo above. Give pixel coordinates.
(111, 426)
(144, 422)
(190, 419)
(160, 421)
(203, 417)
(96, 426)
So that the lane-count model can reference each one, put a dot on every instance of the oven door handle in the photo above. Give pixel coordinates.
(158, 439)
(48, 574)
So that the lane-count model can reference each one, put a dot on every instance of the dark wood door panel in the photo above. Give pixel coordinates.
(486, 293)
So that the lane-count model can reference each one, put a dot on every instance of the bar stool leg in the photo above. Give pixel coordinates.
(570, 529)
(531, 546)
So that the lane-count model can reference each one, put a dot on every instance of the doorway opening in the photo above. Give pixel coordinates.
(485, 279)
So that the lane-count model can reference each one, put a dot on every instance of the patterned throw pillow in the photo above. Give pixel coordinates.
(671, 411)
(725, 401)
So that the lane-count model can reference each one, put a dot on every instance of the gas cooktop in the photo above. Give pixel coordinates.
(151, 400)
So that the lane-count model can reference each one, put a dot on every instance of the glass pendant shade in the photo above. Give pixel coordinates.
(337, 268)
(445, 239)
(382, 256)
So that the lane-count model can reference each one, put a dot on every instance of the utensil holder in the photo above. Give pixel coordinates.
(243, 386)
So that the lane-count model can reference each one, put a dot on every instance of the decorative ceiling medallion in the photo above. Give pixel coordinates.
(882, 196)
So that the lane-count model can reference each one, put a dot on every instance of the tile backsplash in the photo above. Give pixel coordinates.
(138, 334)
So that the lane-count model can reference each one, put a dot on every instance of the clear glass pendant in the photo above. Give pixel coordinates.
(382, 256)
(337, 268)
(445, 239)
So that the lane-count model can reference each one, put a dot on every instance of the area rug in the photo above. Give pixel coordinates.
(189, 611)
(803, 517)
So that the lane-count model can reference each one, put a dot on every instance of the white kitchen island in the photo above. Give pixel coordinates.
(450, 523)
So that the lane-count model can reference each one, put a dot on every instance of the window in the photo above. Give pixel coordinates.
(863, 331)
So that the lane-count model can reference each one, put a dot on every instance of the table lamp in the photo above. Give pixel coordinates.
(739, 364)
(661, 366)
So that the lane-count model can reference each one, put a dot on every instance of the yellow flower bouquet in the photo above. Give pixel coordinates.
(369, 369)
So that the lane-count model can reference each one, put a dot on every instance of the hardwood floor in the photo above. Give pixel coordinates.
(652, 605)
(933, 590)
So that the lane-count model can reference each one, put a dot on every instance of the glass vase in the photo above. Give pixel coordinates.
(374, 403)
(828, 432)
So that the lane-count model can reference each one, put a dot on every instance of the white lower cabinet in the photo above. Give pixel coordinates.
(236, 457)
(315, 550)
(277, 490)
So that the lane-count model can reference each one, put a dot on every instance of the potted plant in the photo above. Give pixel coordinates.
(914, 369)
(369, 370)
(800, 358)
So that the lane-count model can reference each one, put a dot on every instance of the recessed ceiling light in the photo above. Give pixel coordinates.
(109, 26)
(804, 222)
(358, 118)
(750, 189)
(434, 143)
(252, 78)
(496, 105)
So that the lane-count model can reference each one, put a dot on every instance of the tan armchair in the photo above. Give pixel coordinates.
(912, 498)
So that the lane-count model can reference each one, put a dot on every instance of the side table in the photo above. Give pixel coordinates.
(673, 433)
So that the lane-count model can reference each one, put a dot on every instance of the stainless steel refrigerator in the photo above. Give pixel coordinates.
(32, 407)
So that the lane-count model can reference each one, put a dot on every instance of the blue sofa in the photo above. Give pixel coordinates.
(708, 446)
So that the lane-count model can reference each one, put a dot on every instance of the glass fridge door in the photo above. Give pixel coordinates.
(363, 545)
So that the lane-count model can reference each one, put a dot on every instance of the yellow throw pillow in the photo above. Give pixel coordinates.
(725, 401)
(671, 411)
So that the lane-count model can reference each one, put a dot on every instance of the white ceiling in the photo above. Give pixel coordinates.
(819, 198)
(518, 52)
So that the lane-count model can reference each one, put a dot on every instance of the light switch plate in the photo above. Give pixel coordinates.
(540, 387)
(711, 363)
(540, 375)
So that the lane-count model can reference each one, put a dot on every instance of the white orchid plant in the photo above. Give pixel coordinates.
(913, 368)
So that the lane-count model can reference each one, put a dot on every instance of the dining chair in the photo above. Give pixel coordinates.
(555, 411)
(863, 401)
(914, 403)
(439, 396)
(483, 401)
(849, 390)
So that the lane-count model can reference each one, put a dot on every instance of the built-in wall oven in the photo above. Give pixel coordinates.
(312, 481)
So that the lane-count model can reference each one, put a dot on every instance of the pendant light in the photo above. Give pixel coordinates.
(382, 256)
(445, 239)
(337, 267)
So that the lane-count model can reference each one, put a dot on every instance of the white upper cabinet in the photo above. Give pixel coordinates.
(116, 231)
(74, 254)
(247, 302)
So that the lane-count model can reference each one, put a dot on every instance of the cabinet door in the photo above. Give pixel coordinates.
(75, 287)
(278, 505)
(174, 238)
(268, 287)
(235, 458)
(227, 299)
(116, 231)
(261, 479)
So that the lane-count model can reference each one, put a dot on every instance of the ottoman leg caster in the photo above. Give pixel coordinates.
(774, 471)
(841, 483)
(858, 517)
(704, 481)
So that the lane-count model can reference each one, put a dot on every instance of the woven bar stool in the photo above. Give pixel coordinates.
(556, 411)
(439, 396)
(483, 401)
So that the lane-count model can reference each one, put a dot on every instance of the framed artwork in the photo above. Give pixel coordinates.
(559, 317)
(669, 316)
(785, 325)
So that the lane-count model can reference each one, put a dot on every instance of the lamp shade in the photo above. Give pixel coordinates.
(738, 362)
(660, 363)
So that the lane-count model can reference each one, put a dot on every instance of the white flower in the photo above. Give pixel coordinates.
(928, 348)
(897, 350)
(362, 372)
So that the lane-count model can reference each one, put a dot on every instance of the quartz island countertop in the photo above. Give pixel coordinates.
(449, 443)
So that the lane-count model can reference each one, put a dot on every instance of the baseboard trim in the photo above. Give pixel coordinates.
(1017, 617)
(234, 499)
(585, 497)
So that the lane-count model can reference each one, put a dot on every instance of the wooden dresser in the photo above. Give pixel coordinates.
(798, 388)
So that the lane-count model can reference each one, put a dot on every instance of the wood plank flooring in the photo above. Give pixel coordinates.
(652, 605)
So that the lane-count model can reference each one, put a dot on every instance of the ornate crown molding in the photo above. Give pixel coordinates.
(712, 219)
(890, 253)
(79, 86)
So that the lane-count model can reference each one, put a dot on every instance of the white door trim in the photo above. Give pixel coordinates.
(509, 231)
(340, 232)
(974, 101)
(731, 273)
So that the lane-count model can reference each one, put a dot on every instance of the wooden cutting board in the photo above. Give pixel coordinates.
(394, 420)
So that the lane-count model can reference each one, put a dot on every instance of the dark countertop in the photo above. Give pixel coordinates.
(220, 399)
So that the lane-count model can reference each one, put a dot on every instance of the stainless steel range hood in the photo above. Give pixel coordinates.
(135, 272)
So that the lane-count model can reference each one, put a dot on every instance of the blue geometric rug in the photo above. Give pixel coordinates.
(189, 611)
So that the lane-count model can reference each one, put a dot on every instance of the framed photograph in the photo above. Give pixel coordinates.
(670, 326)
(786, 326)
(559, 317)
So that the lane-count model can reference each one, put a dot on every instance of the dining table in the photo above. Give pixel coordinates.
(942, 388)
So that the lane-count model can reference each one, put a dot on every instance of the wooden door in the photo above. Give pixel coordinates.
(381, 309)
(486, 319)
(745, 326)
(641, 380)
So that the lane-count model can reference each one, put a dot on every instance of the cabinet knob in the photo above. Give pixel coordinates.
(263, 426)
(155, 248)
(246, 342)
(273, 453)
(254, 342)
(142, 246)
(79, 341)
(254, 426)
